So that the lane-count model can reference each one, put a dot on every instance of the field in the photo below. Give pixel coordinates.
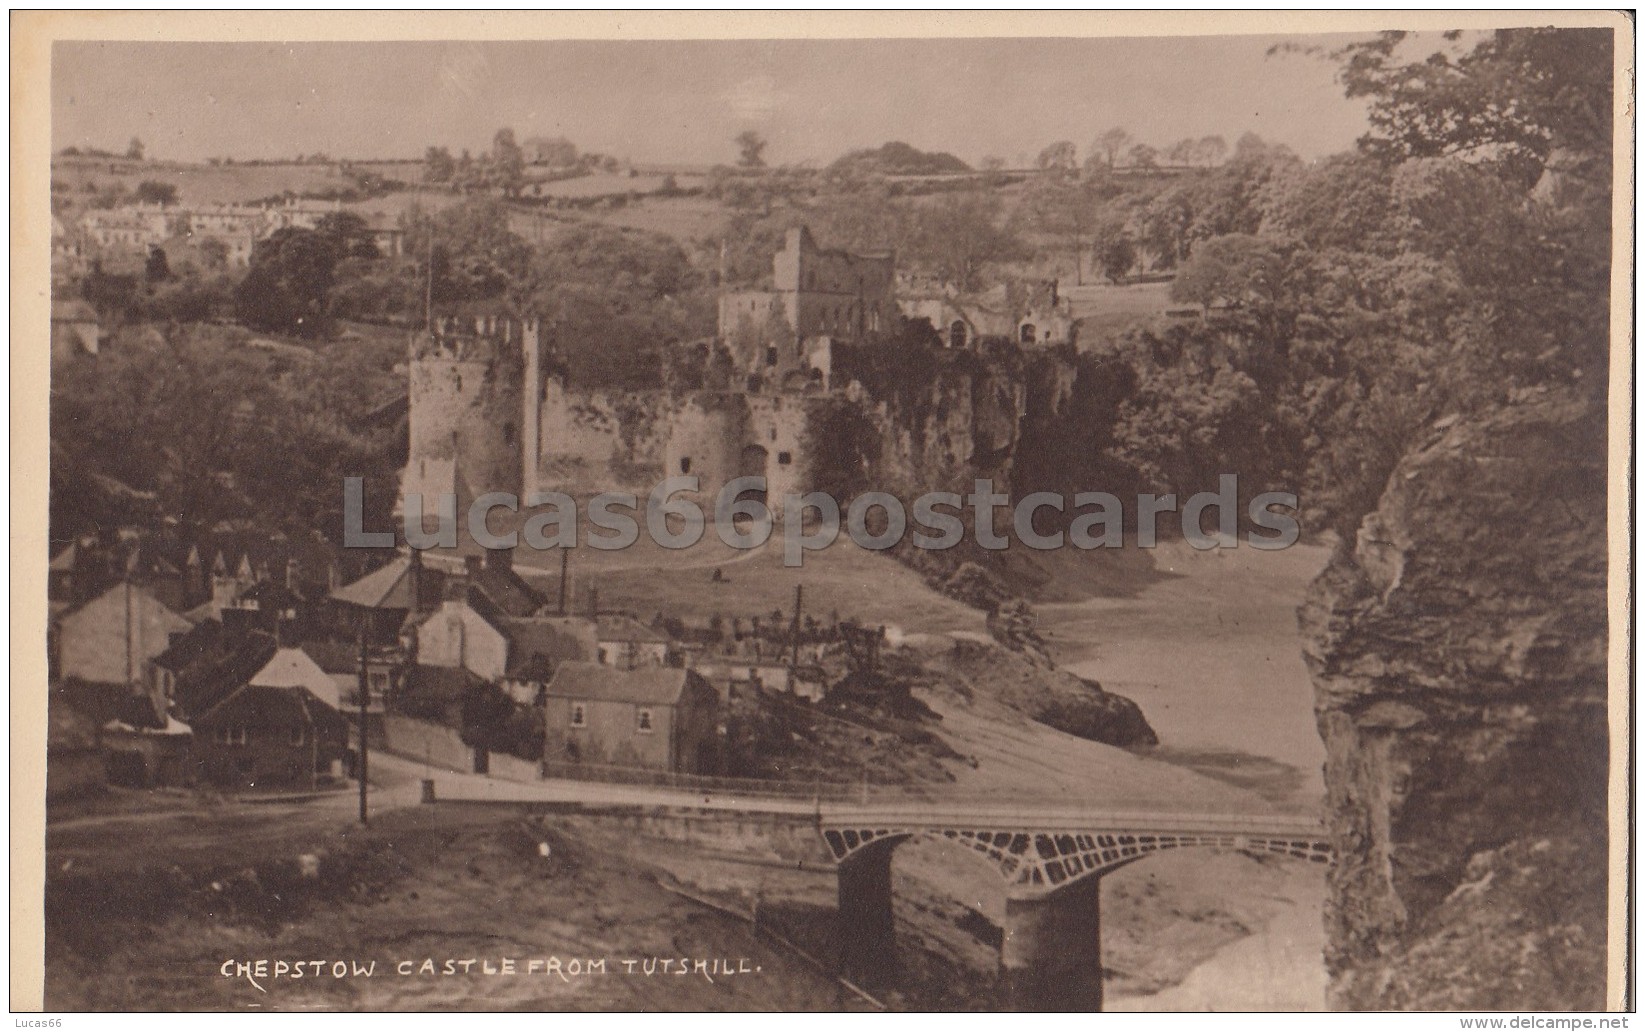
(1108, 310)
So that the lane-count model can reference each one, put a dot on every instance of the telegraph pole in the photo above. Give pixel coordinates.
(363, 698)
(565, 572)
(794, 635)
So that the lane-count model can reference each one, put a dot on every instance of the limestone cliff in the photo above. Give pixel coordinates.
(1457, 649)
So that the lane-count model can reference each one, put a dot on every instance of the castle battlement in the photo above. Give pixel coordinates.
(480, 338)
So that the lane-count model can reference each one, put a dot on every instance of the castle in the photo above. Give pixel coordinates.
(487, 413)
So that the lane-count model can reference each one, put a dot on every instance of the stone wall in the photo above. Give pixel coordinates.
(1457, 648)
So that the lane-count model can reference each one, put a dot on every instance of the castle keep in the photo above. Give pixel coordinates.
(487, 413)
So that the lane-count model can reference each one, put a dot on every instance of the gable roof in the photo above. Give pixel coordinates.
(508, 590)
(538, 645)
(390, 587)
(619, 627)
(649, 686)
(293, 668)
(266, 704)
(334, 657)
(237, 659)
(189, 648)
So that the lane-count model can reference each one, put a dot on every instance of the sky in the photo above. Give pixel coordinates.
(683, 102)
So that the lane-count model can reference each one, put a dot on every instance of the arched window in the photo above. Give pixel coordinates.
(956, 334)
(1027, 334)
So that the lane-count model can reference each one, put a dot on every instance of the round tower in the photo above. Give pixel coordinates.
(470, 405)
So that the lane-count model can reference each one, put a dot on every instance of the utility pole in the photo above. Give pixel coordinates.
(794, 634)
(565, 573)
(363, 697)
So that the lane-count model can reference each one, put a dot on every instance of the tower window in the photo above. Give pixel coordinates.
(685, 464)
(508, 433)
(579, 715)
(645, 726)
(771, 356)
(784, 458)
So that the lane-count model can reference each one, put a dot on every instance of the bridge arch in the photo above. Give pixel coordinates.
(1051, 938)
(1046, 860)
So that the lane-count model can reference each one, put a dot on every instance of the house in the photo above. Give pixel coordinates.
(626, 643)
(661, 718)
(74, 757)
(537, 647)
(141, 756)
(470, 632)
(75, 330)
(467, 632)
(206, 665)
(281, 728)
(268, 606)
(437, 694)
(380, 602)
(110, 639)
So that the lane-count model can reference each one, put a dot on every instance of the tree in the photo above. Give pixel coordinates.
(1183, 152)
(438, 165)
(1058, 157)
(1061, 207)
(507, 163)
(151, 191)
(349, 234)
(958, 236)
(1142, 156)
(476, 257)
(556, 152)
(1115, 252)
(1211, 149)
(750, 149)
(215, 253)
(156, 269)
(1111, 144)
(1515, 100)
(134, 149)
(286, 287)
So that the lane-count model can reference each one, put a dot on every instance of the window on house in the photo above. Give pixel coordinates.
(508, 433)
(685, 464)
(771, 356)
(297, 736)
(784, 458)
(645, 727)
(232, 735)
(1027, 334)
(378, 681)
(579, 715)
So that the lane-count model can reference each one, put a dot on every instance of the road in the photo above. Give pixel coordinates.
(957, 812)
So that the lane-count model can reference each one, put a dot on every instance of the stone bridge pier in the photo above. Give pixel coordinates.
(1051, 948)
(1051, 952)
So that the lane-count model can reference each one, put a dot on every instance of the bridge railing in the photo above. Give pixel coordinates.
(613, 775)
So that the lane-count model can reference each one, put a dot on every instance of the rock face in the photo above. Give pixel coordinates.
(1457, 649)
(1030, 684)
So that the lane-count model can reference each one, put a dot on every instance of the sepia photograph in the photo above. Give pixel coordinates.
(822, 512)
